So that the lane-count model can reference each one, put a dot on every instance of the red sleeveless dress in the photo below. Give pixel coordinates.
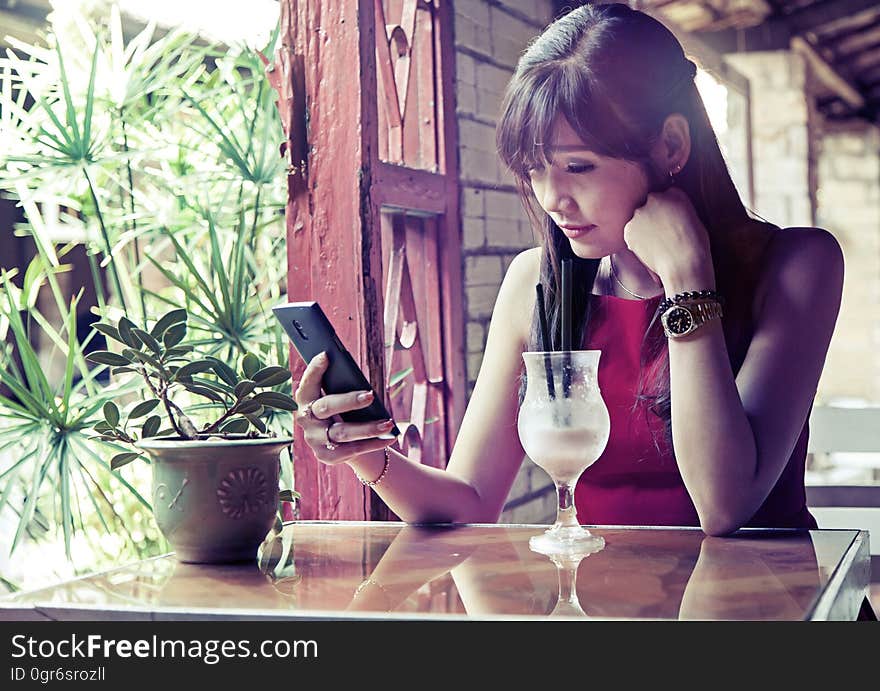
(633, 483)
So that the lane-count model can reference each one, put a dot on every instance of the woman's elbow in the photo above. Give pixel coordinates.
(719, 524)
(718, 529)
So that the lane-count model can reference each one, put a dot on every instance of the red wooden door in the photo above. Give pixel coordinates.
(366, 95)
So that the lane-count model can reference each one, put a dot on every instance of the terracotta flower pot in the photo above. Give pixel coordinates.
(215, 499)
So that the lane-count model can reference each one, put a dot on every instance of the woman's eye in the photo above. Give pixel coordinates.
(575, 168)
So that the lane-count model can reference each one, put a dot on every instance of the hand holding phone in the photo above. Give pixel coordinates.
(312, 333)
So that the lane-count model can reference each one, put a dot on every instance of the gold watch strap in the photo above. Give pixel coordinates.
(702, 312)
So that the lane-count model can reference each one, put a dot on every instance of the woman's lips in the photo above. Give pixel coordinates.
(572, 232)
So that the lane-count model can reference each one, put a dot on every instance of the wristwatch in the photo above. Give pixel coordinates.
(681, 319)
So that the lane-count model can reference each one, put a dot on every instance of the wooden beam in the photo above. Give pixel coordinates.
(835, 40)
(776, 32)
(408, 188)
(826, 74)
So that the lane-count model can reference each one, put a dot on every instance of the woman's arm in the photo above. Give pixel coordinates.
(734, 436)
(487, 452)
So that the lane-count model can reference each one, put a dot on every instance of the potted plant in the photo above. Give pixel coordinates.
(215, 486)
(147, 161)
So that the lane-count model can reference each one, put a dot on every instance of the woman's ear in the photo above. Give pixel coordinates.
(672, 149)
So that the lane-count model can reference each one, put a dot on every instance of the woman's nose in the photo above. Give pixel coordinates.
(556, 197)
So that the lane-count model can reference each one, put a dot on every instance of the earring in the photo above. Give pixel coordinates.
(672, 173)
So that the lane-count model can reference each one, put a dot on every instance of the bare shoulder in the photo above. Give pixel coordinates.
(516, 299)
(527, 263)
(803, 250)
(806, 265)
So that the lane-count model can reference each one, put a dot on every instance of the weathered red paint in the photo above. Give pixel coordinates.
(380, 160)
(449, 232)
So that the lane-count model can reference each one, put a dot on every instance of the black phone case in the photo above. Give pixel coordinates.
(312, 333)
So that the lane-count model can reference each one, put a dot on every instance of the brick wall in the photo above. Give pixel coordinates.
(783, 126)
(809, 171)
(489, 38)
(849, 207)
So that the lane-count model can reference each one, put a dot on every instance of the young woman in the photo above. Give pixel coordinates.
(713, 326)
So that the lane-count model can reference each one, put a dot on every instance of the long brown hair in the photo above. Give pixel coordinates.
(615, 74)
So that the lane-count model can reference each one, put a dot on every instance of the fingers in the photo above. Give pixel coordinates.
(351, 431)
(347, 450)
(308, 393)
(345, 432)
(334, 404)
(310, 385)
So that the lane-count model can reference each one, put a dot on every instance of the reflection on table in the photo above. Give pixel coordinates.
(366, 570)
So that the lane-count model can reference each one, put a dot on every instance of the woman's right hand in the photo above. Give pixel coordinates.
(331, 440)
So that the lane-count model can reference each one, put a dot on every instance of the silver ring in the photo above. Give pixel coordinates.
(330, 446)
(307, 411)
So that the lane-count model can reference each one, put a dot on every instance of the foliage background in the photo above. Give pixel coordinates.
(157, 153)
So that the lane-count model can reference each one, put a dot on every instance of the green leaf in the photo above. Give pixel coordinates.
(257, 422)
(151, 426)
(174, 317)
(105, 357)
(122, 459)
(177, 351)
(72, 345)
(108, 330)
(102, 427)
(249, 407)
(194, 368)
(123, 370)
(273, 399)
(215, 386)
(237, 426)
(244, 387)
(270, 376)
(111, 413)
(148, 340)
(174, 335)
(250, 364)
(143, 356)
(288, 495)
(125, 332)
(142, 409)
(202, 391)
(87, 450)
(224, 371)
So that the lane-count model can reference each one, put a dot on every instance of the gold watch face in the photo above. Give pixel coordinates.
(679, 321)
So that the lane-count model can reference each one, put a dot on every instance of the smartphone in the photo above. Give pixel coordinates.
(312, 333)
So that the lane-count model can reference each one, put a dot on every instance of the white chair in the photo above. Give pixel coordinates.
(843, 488)
(845, 443)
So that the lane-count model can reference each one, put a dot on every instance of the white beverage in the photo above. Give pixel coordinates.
(563, 453)
(564, 439)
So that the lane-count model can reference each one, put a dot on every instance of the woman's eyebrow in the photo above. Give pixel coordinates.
(571, 147)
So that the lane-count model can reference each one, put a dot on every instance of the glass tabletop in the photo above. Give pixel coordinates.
(369, 570)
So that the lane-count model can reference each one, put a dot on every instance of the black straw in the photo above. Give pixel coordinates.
(545, 341)
(566, 326)
(566, 304)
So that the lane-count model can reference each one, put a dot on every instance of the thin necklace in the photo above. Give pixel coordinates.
(614, 276)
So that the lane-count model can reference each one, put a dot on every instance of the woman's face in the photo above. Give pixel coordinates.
(590, 197)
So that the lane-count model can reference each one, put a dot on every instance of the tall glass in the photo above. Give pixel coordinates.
(563, 426)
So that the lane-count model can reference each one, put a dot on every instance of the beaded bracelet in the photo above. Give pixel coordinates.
(374, 483)
(687, 296)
